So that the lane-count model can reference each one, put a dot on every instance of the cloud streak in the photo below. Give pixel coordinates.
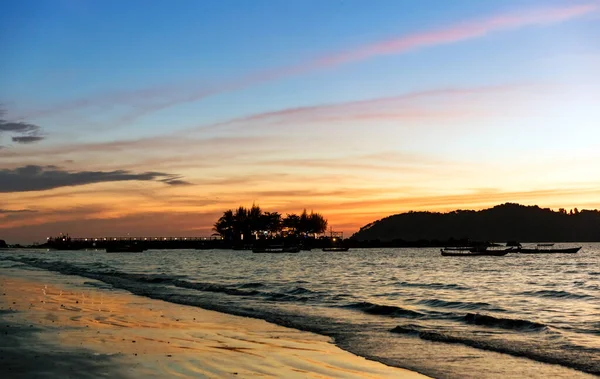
(455, 33)
(155, 99)
(27, 139)
(41, 178)
(26, 133)
(16, 211)
(405, 106)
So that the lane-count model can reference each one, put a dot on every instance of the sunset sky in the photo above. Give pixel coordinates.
(153, 117)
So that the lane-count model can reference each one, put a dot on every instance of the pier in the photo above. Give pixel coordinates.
(80, 243)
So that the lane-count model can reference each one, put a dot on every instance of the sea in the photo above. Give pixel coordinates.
(517, 316)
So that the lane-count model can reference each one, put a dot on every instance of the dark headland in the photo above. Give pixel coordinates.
(506, 222)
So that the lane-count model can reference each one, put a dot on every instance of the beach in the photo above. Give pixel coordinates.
(55, 325)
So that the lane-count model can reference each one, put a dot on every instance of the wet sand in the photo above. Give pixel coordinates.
(54, 325)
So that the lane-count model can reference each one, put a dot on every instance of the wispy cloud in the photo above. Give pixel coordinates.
(155, 99)
(17, 127)
(15, 211)
(27, 139)
(40, 178)
(25, 132)
(404, 106)
(11, 215)
(455, 33)
(175, 144)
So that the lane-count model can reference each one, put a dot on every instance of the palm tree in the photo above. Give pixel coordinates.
(292, 223)
(225, 226)
(254, 215)
(304, 223)
(242, 223)
(271, 223)
(317, 223)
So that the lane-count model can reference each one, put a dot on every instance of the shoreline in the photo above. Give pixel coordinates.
(59, 325)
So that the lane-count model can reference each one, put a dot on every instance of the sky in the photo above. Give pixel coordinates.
(151, 118)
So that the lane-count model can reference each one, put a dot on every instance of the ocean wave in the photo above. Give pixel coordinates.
(557, 294)
(300, 291)
(407, 329)
(434, 285)
(211, 287)
(384, 310)
(278, 296)
(573, 358)
(13, 265)
(458, 304)
(251, 285)
(338, 297)
(113, 277)
(175, 281)
(503, 323)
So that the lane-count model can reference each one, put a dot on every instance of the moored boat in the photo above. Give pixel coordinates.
(472, 249)
(336, 248)
(474, 252)
(276, 249)
(548, 248)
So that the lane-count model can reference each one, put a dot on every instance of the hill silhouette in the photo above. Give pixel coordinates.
(506, 222)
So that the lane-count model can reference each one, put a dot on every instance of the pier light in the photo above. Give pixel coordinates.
(145, 239)
(114, 239)
(47, 238)
(64, 239)
(175, 238)
(185, 238)
(165, 238)
(85, 239)
(105, 238)
(95, 239)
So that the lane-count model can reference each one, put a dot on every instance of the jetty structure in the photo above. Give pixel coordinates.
(66, 242)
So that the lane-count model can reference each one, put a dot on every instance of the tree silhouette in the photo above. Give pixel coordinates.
(226, 225)
(318, 224)
(249, 223)
(291, 222)
(271, 223)
(313, 223)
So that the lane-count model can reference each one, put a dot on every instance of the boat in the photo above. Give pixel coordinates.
(276, 249)
(117, 248)
(336, 248)
(548, 248)
(336, 242)
(471, 251)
